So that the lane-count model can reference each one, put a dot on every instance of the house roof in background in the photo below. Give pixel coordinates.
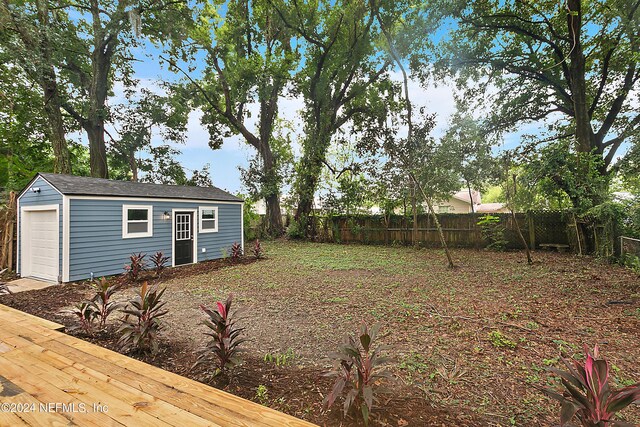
(86, 186)
(464, 196)
(490, 207)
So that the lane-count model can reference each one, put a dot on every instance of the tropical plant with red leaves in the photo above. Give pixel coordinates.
(138, 264)
(141, 324)
(224, 333)
(236, 251)
(257, 250)
(359, 366)
(159, 262)
(587, 395)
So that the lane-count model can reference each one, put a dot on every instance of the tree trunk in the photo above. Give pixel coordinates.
(133, 165)
(473, 208)
(585, 140)
(97, 149)
(311, 167)
(271, 184)
(522, 240)
(52, 104)
(436, 222)
(61, 157)
(414, 206)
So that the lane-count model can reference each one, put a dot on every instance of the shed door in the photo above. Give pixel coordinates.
(184, 238)
(40, 244)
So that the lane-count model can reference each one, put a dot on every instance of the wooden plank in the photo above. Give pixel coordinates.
(120, 410)
(45, 393)
(35, 418)
(246, 413)
(11, 314)
(52, 365)
(163, 410)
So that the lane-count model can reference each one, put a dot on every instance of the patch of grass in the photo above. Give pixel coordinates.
(336, 300)
(499, 340)
(281, 359)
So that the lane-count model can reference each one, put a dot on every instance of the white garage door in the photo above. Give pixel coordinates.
(40, 254)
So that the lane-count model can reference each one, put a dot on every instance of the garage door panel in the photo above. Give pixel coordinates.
(43, 245)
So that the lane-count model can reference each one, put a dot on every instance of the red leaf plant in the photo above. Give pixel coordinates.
(587, 395)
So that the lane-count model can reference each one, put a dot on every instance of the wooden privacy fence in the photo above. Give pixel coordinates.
(460, 230)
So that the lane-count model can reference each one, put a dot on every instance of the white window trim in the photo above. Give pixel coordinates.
(125, 209)
(201, 209)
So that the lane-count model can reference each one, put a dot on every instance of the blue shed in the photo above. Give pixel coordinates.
(72, 228)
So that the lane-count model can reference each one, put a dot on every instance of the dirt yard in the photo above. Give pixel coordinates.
(469, 345)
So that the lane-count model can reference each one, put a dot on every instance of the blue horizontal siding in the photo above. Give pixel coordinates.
(96, 244)
(47, 196)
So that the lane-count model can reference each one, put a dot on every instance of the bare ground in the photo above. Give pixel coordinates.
(450, 331)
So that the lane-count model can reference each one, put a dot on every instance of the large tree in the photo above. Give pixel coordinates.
(344, 80)
(572, 63)
(249, 60)
(28, 41)
(83, 47)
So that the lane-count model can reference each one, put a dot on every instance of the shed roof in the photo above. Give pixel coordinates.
(86, 186)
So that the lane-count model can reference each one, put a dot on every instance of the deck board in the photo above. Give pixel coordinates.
(40, 365)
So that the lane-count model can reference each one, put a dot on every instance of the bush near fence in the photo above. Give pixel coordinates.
(460, 230)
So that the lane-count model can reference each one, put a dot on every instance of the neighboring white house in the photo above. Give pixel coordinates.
(461, 203)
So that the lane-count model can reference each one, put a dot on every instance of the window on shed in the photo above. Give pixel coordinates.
(208, 219)
(137, 221)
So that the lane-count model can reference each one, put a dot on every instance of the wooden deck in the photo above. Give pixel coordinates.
(48, 378)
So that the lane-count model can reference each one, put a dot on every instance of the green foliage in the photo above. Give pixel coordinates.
(632, 262)
(296, 230)
(499, 340)
(526, 64)
(251, 219)
(358, 366)
(262, 394)
(141, 324)
(493, 232)
(281, 359)
(588, 396)
(225, 335)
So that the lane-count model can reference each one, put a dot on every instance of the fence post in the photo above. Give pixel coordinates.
(532, 231)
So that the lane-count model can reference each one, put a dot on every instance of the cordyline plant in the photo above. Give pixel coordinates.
(136, 267)
(141, 323)
(236, 251)
(225, 335)
(257, 250)
(159, 260)
(359, 366)
(102, 302)
(86, 314)
(587, 395)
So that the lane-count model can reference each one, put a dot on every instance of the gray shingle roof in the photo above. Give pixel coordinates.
(85, 186)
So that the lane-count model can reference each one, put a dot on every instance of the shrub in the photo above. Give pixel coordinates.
(102, 300)
(159, 260)
(358, 365)
(296, 230)
(632, 262)
(86, 314)
(236, 251)
(137, 266)
(587, 395)
(224, 333)
(493, 232)
(257, 250)
(141, 324)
